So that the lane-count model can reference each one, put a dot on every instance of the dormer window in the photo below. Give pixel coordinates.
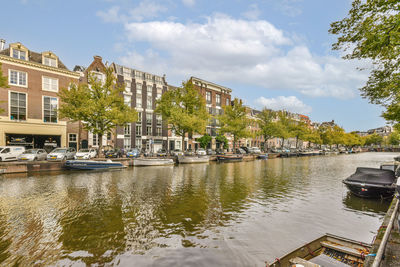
(50, 62)
(19, 54)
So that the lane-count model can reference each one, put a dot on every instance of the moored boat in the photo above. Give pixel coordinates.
(92, 165)
(273, 155)
(152, 162)
(229, 158)
(193, 159)
(263, 156)
(371, 183)
(328, 250)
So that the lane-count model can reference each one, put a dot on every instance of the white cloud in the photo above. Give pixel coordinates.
(189, 3)
(256, 53)
(146, 9)
(289, 103)
(252, 13)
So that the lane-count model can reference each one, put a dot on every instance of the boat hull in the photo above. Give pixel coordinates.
(229, 158)
(193, 160)
(92, 165)
(262, 156)
(370, 191)
(152, 162)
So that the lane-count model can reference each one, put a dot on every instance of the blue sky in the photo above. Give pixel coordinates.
(273, 53)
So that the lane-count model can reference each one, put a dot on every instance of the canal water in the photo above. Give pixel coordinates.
(230, 214)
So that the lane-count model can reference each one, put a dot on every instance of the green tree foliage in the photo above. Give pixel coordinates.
(284, 126)
(372, 31)
(267, 124)
(373, 139)
(3, 84)
(313, 136)
(234, 121)
(204, 140)
(394, 138)
(220, 138)
(100, 105)
(299, 130)
(184, 109)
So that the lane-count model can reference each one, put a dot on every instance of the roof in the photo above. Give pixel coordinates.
(34, 57)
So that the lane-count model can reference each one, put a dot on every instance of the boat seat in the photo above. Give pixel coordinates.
(299, 262)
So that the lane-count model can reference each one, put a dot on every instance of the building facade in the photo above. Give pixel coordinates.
(142, 90)
(31, 102)
(217, 96)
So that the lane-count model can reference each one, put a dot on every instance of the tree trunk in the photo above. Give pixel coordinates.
(283, 142)
(183, 142)
(297, 140)
(100, 140)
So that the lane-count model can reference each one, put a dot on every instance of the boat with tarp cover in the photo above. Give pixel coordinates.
(92, 165)
(372, 182)
(230, 158)
(327, 251)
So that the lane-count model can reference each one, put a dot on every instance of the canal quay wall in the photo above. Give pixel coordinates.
(390, 249)
(46, 166)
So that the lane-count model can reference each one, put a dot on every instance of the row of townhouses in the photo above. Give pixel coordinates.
(31, 102)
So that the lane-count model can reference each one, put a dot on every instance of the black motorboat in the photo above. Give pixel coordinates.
(371, 183)
(229, 158)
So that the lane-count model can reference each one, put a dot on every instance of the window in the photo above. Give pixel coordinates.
(19, 54)
(159, 119)
(127, 100)
(139, 101)
(149, 77)
(127, 129)
(139, 117)
(208, 97)
(127, 143)
(218, 99)
(95, 140)
(17, 78)
(50, 62)
(138, 143)
(138, 129)
(17, 106)
(72, 137)
(149, 118)
(49, 84)
(138, 88)
(159, 131)
(128, 87)
(149, 102)
(158, 97)
(149, 90)
(138, 75)
(127, 72)
(50, 109)
(227, 102)
(108, 136)
(149, 130)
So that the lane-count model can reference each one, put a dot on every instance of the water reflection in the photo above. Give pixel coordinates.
(243, 213)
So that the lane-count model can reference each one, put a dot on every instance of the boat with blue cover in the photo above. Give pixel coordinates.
(92, 165)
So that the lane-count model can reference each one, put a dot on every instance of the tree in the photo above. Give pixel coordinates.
(100, 105)
(267, 124)
(234, 121)
(372, 31)
(283, 126)
(220, 138)
(184, 109)
(299, 130)
(394, 138)
(373, 139)
(3, 84)
(204, 140)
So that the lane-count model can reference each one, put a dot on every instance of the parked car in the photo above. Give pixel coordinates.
(8, 153)
(210, 152)
(33, 154)
(61, 154)
(189, 152)
(161, 152)
(219, 151)
(255, 150)
(86, 153)
(176, 153)
(240, 151)
(201, 152)
(113, 153)
(133, 153)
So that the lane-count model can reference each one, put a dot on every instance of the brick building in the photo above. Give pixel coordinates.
(31, 101)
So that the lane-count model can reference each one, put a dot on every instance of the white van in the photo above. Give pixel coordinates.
(8, 153)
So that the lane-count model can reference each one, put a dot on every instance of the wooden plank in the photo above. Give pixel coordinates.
(305, 263)
(341, 248)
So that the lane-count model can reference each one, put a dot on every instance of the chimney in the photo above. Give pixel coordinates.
(2, 44)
